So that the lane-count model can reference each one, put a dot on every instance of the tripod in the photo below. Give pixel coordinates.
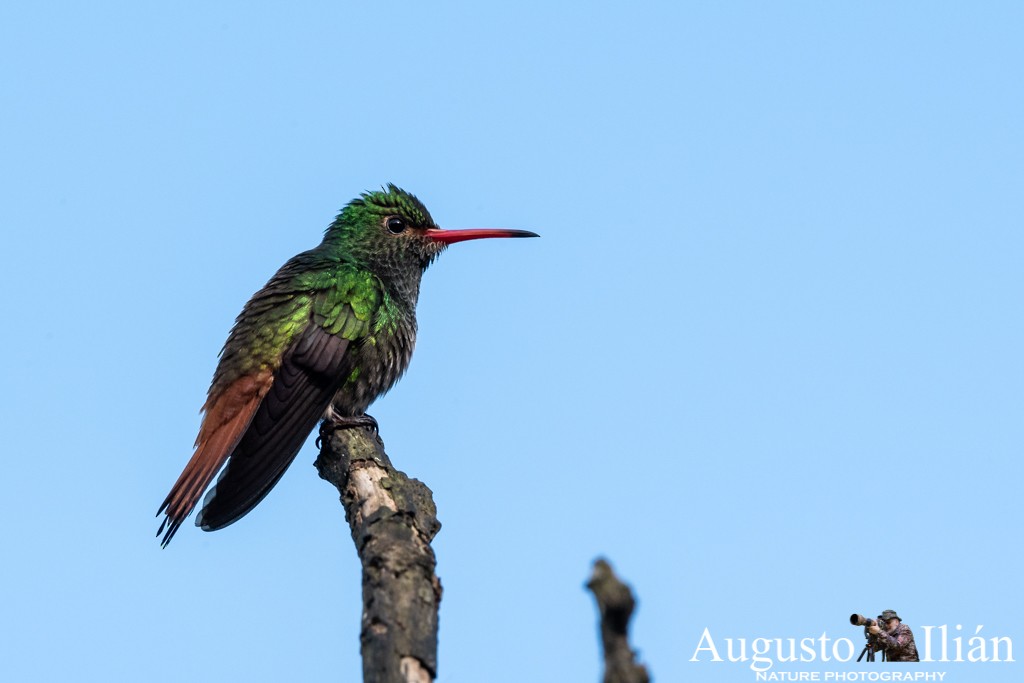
(870, 649)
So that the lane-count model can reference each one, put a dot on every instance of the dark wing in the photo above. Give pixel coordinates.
(310, 374)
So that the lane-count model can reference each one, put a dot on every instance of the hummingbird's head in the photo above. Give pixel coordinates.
(392, 233)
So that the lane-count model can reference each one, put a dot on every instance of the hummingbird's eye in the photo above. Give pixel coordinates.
(395, 225)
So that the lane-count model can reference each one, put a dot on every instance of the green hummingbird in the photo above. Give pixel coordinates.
(331, 331)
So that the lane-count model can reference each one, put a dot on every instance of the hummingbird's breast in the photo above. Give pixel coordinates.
(375, 363)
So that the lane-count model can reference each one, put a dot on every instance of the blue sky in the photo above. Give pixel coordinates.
(766, 357)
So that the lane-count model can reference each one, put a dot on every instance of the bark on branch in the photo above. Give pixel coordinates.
(615, 603)
(393, 520)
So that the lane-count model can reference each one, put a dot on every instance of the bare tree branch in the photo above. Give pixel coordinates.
(393, 520)
(615, 603)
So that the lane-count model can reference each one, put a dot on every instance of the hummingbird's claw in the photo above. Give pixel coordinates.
(336, 422)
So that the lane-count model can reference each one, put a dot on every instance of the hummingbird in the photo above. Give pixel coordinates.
(331, 331)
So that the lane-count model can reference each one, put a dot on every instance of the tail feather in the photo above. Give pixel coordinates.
(227, 417)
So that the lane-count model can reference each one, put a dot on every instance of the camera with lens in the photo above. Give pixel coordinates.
(861, 620)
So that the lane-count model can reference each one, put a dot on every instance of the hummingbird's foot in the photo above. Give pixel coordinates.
(335, 422)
